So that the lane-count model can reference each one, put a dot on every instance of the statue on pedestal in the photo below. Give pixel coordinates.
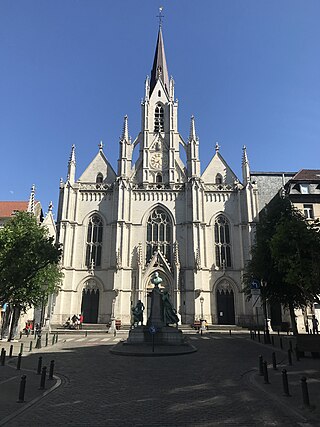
(169, 312)
(137, 312)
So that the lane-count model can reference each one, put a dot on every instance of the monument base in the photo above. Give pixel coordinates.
(167, 335)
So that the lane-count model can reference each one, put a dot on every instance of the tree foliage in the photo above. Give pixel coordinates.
(285, 256)
(29, 262)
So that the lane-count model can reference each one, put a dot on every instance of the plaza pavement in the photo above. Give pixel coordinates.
(218, 385)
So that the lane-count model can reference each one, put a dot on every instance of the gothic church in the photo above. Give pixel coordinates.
(160, 214)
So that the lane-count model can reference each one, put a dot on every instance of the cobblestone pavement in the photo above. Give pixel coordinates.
(217, 385)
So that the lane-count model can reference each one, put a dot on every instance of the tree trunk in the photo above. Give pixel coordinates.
(14, 322)
(6, 322)
(293, 320)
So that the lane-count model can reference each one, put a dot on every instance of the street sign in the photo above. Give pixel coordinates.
(255, 284)
(255, 292)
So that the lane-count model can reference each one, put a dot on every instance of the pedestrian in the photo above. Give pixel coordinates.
(80, 320)
(74, 319)
(315, 323)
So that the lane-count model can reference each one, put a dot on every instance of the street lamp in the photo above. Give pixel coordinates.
(201, 303)
(265, 314)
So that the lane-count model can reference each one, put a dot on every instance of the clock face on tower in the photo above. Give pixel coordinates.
(158, 161)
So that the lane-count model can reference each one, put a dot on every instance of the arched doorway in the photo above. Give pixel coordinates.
(225, 305)
(90, 302)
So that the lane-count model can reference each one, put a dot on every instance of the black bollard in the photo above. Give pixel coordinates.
(305, 393)
(43, 378)
(3, 358)
(38, 343)
(53, 339)
(20, 334)
(258, 335)
(274, 361)
(19, 362)
(30, 346)
(230, 332)
(278, 332)
(290, 345)
(39, 365)
(51, 370)
(289, 357)
(297, 353)
(2, 351)
(281, 345)
(22, 389)
(260, 365)
(57, 336)
(21, 348)
(255, 333)
(46, 339)
(265, 373)
(285, 382)
(11, 350)
(272, 340)
(86, 334)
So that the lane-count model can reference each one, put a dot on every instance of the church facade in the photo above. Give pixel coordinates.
(161, 213)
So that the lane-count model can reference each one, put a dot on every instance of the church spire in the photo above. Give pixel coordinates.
(159, 68)
(245, 166)
(72, 165)
(31, 199)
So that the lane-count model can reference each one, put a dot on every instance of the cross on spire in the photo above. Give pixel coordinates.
(160, 16)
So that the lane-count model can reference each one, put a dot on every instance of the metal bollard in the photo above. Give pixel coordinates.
(53, 339)
(39, 365)
(255, 333)
(265, 373)
(86, 334)
(3, 357)
(21, 348)
(46, 339)
(30, 346)
(57, 336)
(258, 335)
(297, 353)
(19, 362)
(290, 345)
(43, 378)
(281, 345)
(272, 340)
(230, 332)
(38, 343)
(305, 393)
(285, 382)
(278, 332)
(11, 350)
(274, 361)
(260, 365)
(289, 357)
(22, 389)
(20, 334)
(51, 370)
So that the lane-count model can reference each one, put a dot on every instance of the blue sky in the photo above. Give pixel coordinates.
(249, 71)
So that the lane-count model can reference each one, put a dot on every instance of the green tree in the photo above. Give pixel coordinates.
(286, 257)
(29, 265)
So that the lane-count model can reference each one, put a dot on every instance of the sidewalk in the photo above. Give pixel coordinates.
(10, 379)
(307, 367)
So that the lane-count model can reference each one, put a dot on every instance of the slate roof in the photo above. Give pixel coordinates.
(307, 175)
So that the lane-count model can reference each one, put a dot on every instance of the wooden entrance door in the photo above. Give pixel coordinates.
(225, 306)
(90, 305)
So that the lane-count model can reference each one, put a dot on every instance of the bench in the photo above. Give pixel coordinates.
(308, 343)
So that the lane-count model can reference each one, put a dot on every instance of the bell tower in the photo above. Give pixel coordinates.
(159, 138)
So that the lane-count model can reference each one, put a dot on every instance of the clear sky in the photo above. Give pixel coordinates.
(248, 70)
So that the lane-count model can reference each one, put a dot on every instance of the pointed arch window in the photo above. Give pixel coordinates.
(94, 241)
(159, 234)
(222, 242)
(159, 118)
(99, 178)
